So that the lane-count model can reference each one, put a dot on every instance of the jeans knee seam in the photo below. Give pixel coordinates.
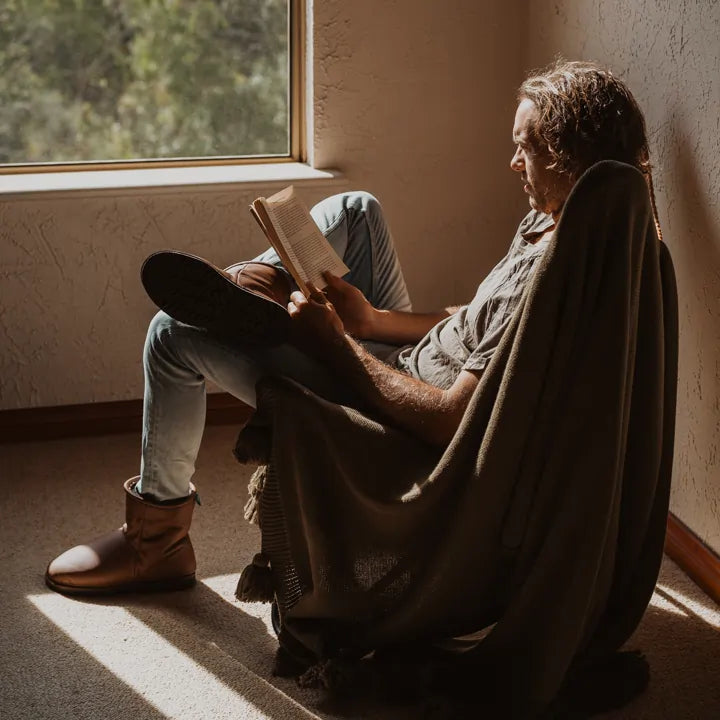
(336, 223)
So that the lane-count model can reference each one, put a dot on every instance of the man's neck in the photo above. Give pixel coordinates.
(546, 233)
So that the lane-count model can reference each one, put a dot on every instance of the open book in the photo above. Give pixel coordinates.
(296, 238)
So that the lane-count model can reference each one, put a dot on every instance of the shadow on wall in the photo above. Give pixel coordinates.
(699, 244)
(696, 253)
(701, 255)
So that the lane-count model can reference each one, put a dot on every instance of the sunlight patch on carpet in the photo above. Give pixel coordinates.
(661, 603)
(707, 611)
(166, 678)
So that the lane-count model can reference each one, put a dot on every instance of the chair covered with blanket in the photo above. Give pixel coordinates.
(544, 516)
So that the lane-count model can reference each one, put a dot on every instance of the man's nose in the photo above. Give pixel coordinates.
(516, 163)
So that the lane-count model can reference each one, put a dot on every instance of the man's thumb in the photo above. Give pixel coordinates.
(331, 279)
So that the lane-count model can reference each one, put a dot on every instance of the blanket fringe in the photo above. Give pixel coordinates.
(256, 582)
(396, 681)
(340, 677)
(255, 490)
(604, 685)
(446, 689)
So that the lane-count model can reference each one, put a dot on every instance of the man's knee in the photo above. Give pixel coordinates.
(362, 200)
(159, 333)
(354, 201)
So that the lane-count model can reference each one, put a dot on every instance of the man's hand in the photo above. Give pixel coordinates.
(352, 306)
(431, 413)
(315, 324)
(365, 322)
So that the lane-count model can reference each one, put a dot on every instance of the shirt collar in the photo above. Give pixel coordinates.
(535, 223)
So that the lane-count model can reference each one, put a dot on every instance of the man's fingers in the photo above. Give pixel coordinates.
(292, 309)
(335, 282)
(299, 301)
(315, 294)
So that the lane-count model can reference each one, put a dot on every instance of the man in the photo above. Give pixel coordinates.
(358, 343)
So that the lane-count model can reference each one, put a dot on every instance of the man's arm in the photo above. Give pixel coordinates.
(429, 412)
(365, 322)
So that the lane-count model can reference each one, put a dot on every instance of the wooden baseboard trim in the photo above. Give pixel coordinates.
(699, 562)
(103, 418)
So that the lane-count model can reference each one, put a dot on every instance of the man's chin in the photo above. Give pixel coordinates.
(540, 207)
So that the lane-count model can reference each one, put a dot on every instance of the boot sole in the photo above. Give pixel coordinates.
(195, 292)
(146, 586)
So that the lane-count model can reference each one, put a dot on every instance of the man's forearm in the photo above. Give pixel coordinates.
(399, 328)
(364, 321)
(427, 411)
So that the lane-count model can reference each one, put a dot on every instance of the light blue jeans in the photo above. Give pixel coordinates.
(179, 358)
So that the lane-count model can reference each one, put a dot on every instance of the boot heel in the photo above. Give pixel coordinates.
(170, 585)
(151, 552)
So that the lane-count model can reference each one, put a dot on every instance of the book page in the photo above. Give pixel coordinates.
(306, 246)
(258, 209)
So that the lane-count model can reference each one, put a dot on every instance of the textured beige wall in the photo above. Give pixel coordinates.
(73, 313)
(669, 52)
(413, 101)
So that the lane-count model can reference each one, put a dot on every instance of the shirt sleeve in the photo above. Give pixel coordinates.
(501, 308)
(481, 356)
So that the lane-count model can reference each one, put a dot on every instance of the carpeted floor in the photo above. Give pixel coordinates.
(199, 653)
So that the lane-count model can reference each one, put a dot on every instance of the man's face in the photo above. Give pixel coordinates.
(547, 189)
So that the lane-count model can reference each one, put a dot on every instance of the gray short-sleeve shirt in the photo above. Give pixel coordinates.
(468, 339)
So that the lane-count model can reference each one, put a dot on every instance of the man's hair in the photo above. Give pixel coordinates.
(586, 114)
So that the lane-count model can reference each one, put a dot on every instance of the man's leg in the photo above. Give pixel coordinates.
(153, 551)
(179, 358)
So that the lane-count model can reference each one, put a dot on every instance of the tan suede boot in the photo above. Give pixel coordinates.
(262, 279)
(245, 303)
(150, 552)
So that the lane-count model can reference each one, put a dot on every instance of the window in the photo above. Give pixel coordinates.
(94, 82)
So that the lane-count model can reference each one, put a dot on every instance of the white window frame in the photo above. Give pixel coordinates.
(20, 179)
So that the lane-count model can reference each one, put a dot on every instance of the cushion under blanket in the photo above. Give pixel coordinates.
(545, 514)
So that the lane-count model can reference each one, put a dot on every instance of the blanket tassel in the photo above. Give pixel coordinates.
(342, 678)
(256, 485)
(256, 581)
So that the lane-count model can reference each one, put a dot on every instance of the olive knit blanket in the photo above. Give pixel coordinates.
(545, 515)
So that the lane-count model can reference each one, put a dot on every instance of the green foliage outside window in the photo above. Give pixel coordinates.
(86, 80)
